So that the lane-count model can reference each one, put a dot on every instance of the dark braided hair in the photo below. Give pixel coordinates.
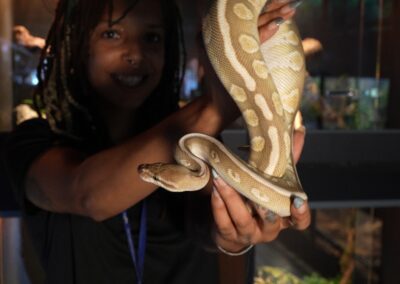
(64, 90)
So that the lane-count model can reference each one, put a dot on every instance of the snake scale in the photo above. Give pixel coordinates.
(266, 81)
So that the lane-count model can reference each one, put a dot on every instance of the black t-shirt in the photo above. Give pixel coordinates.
(77, 249)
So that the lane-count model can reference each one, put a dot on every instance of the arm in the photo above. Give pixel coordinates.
(100, 186)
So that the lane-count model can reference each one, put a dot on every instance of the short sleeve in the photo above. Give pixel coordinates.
(27, 142)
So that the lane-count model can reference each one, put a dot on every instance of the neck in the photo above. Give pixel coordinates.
(119, 122)
(120, 125)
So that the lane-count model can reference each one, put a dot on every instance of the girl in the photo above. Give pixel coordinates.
(109, 82)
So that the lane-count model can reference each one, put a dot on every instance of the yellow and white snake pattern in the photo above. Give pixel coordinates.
(266, 82)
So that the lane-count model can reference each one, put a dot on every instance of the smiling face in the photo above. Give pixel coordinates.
(126, 59)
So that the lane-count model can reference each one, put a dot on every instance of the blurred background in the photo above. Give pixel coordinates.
(350, 166)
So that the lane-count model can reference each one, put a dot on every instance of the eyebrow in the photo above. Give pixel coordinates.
(150, 25)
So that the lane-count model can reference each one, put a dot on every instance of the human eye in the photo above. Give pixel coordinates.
(153, 37)
(111, 34)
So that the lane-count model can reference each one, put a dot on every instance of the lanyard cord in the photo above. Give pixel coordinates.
(138, 259)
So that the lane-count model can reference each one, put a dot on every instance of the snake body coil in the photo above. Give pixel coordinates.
(266, 82)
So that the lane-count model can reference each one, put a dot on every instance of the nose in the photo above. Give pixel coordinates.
(133, 55)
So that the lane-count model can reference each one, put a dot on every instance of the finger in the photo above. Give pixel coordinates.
(298, 143)
(269, 222)
(271, 227)
(274, 12)
(274, 5)
(300, 214)
(237, 210)
(270, 21)
(267, 30)
(222, 220)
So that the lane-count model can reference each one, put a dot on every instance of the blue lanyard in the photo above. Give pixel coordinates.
(138, 259)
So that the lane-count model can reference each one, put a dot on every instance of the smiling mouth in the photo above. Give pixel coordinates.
(129, 81)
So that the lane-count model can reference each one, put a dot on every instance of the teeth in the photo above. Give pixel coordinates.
(130, 81)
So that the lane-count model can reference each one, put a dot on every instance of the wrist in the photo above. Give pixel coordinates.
(238, 253)
(232, 248)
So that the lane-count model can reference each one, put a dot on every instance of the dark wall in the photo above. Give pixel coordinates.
(7, 201)
(391, 63)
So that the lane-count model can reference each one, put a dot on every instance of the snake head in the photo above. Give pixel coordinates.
(149, 173)
(160, 174)
(170, 177)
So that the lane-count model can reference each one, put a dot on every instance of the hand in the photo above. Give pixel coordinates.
(23, 37)
(275, 13)
(237, 226)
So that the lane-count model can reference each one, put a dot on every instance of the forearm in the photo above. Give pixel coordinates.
(110, 179)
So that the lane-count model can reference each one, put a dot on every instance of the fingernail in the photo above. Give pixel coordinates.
(216, 193)
(290, 7)
(217, 180)
(298, 202)
(279, 21)
(295, 4)
(259, 207)
(214, 174)
(271, 217)
(301, 129)
(276, 23)
(270, 2)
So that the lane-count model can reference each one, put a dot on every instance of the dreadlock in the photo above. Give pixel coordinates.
(64, 91)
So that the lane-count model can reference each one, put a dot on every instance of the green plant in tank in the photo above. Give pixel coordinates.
(276, 275)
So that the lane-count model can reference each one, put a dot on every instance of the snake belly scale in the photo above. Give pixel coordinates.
(266, 82)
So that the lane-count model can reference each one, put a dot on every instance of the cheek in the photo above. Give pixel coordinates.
(98, 63)
(159, 62)
(94, 73)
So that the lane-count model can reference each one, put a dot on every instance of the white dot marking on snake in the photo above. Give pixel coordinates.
(229, 50)
(293, 60)
(275, 151)
(242, 12)
(256, 3)
(277, 103)
(257, 144)
(289, 183)
(284, 39)
(290, 101)
(235, 176)
(185, 163)
(238, 93)
(259, 195)
(253, 164)
(249, 44)
(291, 38)
(214, 156)
(263, 105)
(288, 145)
(250, 116)
(261, 69)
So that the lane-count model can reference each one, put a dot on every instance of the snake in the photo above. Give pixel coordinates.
(266, 81)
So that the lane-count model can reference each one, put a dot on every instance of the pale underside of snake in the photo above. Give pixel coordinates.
(266, 82)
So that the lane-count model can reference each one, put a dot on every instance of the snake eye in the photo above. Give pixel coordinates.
(155, 178)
